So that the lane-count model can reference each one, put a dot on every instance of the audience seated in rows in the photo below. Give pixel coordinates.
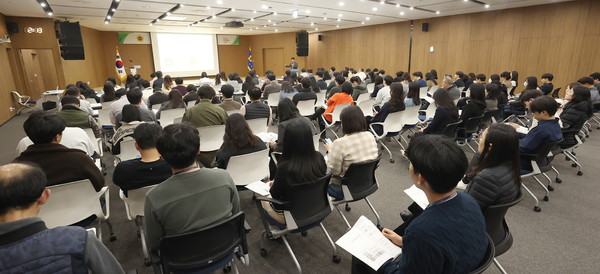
(520, 106)
(158, 82)
(148, 170)
(134, 96)
(547, 130)
(117, 106)
(238, 140)
(445, 113)
(452, 90)
(383, 94)
(256, 109)
(593, 85)
(575, 113)
(357, 145)
(72, 137)
(167, 83)
(86, 91)
(431, 80)
(72, 90)
(248, 84)
(192, 95)
(547, 87)
(396, 103)
(109, 92)
(305, 93)
(131, 119)
(320, 81)
(228, 103)
(337, 86)
(193, 197)
(298, 165)
(418, 77)
(474, 107)
(157, 98)
(450, 235)
(180, 87)
(76, 117)
(492, 94)
(59, 163)
(287, 91)
(27, 245)
(413, 94)
(175, 101)
(358, 87)
(341, 98)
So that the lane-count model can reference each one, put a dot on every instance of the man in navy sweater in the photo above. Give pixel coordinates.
(449, 236)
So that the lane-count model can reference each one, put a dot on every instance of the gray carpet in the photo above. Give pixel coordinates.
(561, 238)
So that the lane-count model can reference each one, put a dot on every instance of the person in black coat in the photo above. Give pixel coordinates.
(445, 113)
(493, 175)
(238, 140)
(474, 107)
(575, 113)
(395, 104)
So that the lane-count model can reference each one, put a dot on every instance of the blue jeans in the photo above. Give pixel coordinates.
(335, 191)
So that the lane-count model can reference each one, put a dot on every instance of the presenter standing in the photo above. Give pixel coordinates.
(293, 65)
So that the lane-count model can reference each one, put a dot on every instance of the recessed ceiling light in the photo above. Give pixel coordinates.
(307, 11)
(487, 6)
(337, 26)
(253, 11)
(168, 13)
(105, 22)
(312, 24)
(274, 24)
(276, 30)
(108, 17)
(207, 7)
(374, 8)
(368, 18)
(264, 7)
(401, 13)
(269, 20)
(325, 18)
(340, 15)
(339, 19)
(150, 24)
(157, 19)
(437, 12)
(363, 22)
(397, 5)
(113, 10)
(220, 2)
(295, 14)
(49, 13)
(251, 19)
(214, 16)
(181, 5)
(221, 27)
(466, 0)
(411, 8)
(341, 4)
(382, 2)
(232, 9)
(43, 4)
(275, 13)
(316, 28)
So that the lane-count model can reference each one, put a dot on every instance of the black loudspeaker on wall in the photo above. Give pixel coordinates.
(13, 27)
(69, 38)
(320, 37)
(425, 27)
(302, 43)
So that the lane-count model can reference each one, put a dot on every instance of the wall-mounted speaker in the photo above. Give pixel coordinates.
(69, 38)
(13, 27)
(320, 37)
(302, 43)
(425, 27)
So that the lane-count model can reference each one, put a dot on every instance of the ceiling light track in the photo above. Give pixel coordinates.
(46, 7)
(167, 13)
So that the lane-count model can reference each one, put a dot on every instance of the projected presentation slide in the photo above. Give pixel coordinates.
(185, 55)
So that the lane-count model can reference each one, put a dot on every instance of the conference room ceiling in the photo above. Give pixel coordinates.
(259, 16)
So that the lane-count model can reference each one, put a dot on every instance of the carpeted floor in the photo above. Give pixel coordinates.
(562, 238)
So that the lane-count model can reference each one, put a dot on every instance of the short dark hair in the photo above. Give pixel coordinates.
(271, 77)
(439, 160)
(134, 96)
(145, 83)
(152, 75)
(72, 91)
(293, 58)
(529, 94)
(207, 92)
(287, 110)
(120, 92)
(41, 127)
(178, 80)
(21, 184)
(254, 93)
(69, 100)
(332, 68)
(418, 74)
(320, 73)
(505, 75)
(309, 70)
(130, 113)
(595, 76)
(159, 74)
(227, 91)
(353, 120)
(190, 88)
(355, 79)
(340, 80)
(548, 76)
(480, 77)
(112, 80)
(347, 88)
(145, 135)
(544, 103)
(388, 80)
(305, 82)
(178, 145)
(586, 80)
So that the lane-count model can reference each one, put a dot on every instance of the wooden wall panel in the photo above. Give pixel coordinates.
(235, 58)
(7, 82)
(287, 41)
(92, 68)
(139, 54)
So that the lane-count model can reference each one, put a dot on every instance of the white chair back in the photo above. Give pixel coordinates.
(423, 92)
(91, 100)
(74, 202)
(366, 107)
(168, 116)
(335, 117)
(370, 87)
(128, 150)
(134, 202)
(321, 97)
(106, 105)
(430, 112)
(363, 97)
(190, 104)
(249, 168)
(104, 117)
(258, 125)
(178, 120)
(273, 99)
(96, 142)
(316, 138)
(306, 107)
(211, 137)
(156, 106)
(229, 112)
(410, 116)
(393, 123)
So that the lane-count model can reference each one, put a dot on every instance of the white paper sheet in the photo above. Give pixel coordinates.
(365, 242)
(428, 99)
(417, 195)
(267, 136)
(259, 187)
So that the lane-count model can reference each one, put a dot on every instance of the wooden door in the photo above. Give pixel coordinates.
(39, 70)
(7, 84)
(273, 60)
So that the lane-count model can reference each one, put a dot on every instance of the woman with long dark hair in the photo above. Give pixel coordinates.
(475, 106)
(238, 140)
(378, 84)
(248, 84)
(109, 92)
(168, 83)
(531, 83)
(446, 113)
(492, 96)
(514, 81)
(413, 96)
(575, 113)
(220, 78)
(494, 176)
(287, 91)
(299, 166)
(86, 91)
(175, 101)
(395, 104)
(431, 80)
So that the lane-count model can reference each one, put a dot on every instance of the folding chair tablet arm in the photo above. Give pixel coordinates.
(325, 120)
(271, 200)
(374, 132)
(104, 192)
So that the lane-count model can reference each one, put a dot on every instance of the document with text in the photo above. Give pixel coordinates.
(365, 242)
(417, 195)
(259, 187)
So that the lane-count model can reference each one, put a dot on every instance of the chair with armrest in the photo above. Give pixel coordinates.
(357, 184)
(300, 216)
(392, 126)
(541, 163)
(471, 127)
(205, 250)
(366, 106)
(487, 258)
(335, 118)
(24, 101)
(134, 209)
(306, 107)
(569, 150)
(497, 228)
(554, 94)
(76, 201)
(451, 129)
